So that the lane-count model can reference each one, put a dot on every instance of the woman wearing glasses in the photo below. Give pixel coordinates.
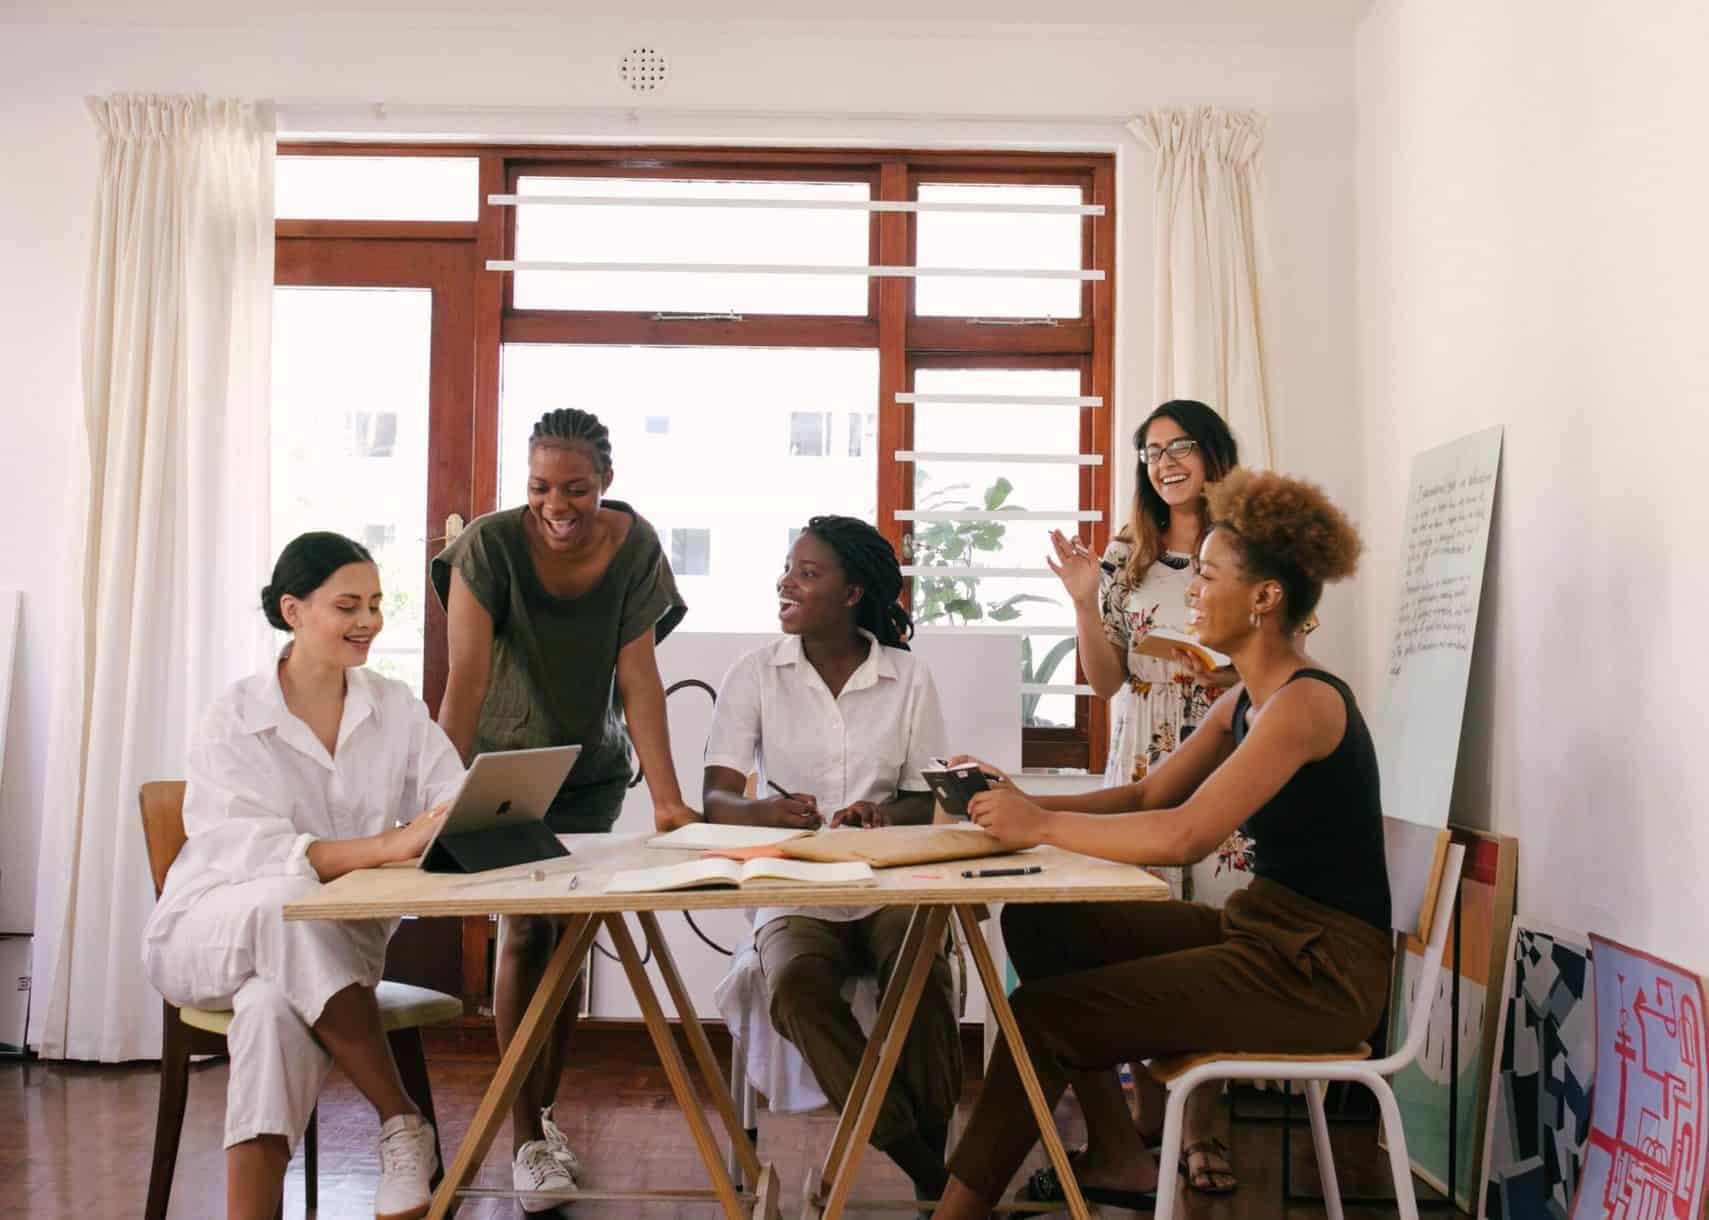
(1140, 585)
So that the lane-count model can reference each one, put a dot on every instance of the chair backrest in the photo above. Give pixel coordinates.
(162, 802)
(1441, 887)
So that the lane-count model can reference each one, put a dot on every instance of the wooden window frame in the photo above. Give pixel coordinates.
(890, 324)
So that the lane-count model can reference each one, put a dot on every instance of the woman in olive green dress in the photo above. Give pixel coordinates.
(553, 610)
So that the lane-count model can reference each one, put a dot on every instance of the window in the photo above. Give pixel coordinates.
(862, 428)
(729, 300)
(691, 552)
(377, 537)
(371, 434)
(809, 433)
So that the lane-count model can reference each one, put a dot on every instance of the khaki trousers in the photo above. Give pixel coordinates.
(1107, 983)
(806, 961)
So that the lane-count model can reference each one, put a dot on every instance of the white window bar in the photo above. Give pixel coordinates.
(1005, 400)
(816, 205)
(1056, 688)
(1057, 459)
(987, 629)
(1002, 514)
(931, 571)
(889, 271)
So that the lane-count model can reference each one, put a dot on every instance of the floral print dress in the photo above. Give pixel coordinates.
(1161, 703)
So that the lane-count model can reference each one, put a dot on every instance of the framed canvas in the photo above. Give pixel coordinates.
(1540, 1090)
(1648, 1143)
(1423, 1089)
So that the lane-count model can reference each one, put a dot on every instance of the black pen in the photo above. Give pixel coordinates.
(1003, 872)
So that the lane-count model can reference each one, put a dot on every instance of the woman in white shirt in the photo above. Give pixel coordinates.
(300, 774)
(843, 717)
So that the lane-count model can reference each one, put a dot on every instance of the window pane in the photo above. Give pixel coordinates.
(948, 486)
(377, 188)
(723, 469)
(808, 433)
(691, 552)
(1023, 240)
(569, 233)
(349, 424)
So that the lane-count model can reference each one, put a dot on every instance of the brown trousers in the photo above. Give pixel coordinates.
(806, 961)
(1108, 983)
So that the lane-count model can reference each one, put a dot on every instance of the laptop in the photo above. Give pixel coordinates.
(498, 816)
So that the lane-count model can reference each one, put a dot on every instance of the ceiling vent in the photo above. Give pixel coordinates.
(642, 69)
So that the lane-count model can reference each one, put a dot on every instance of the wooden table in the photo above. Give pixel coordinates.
(937, 892)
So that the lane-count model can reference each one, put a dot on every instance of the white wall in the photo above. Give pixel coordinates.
(1531, 252)
(1300, 77)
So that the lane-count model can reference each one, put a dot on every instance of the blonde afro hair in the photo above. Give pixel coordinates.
(1289, 532)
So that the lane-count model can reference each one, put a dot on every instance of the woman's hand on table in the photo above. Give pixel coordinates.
(673, 815)
(411, 839)
(798, 811)
(1010, 815)
(861, 814)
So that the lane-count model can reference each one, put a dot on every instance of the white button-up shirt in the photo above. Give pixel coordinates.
(866, 744)
(262, 787)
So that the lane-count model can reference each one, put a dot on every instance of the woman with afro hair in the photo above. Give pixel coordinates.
(1296, 963)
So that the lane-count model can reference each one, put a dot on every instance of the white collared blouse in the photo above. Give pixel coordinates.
(867, 743)
(262, 788)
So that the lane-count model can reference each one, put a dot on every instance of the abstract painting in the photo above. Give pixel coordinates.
(1645, 1156)
(1540, 1095)
(1446, 1068)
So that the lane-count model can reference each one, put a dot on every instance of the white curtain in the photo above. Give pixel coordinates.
(1212, 267)
(170, 548)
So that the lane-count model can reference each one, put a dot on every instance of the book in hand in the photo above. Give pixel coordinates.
(737, 874)
(1162, 643)
(955, 786)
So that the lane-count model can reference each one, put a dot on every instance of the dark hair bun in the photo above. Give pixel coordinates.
(270, 607)
(304, 566)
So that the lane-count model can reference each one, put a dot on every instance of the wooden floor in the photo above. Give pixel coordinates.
(75, 1142)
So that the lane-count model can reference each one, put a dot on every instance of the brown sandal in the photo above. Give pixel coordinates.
(1205, 1180)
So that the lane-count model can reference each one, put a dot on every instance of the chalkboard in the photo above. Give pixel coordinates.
(1442, 546)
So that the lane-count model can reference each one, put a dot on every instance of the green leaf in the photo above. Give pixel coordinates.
(1059, 651)
(997, 493)
(969, 609)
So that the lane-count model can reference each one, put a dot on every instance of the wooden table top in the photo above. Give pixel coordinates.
(381, 893)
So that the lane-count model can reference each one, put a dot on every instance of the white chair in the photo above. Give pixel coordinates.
(762, 1059)
(1424, 875)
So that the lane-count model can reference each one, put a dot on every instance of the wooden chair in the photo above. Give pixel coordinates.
(1424, 875)
(192, 1031)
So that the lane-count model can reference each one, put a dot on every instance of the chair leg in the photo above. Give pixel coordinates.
(169, 1116)
(1406, 1202)
(1325, 1153)
(311, 1164)
(1169, 1155)
(412, 1070)
(742, 1089)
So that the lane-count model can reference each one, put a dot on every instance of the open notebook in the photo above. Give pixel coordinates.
(738, 874)
(719, 836)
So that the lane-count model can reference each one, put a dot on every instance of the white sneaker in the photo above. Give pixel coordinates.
(559, 1144)
(407, 1161)
(535, 1168)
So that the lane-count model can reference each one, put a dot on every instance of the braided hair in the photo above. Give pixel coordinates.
(569, 425)
(869, 561)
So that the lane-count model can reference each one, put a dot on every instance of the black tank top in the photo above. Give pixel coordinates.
(1322, 834)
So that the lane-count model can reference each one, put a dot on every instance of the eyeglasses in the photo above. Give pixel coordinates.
(1178, 448)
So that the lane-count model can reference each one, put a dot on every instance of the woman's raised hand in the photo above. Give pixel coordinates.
(1076, 567)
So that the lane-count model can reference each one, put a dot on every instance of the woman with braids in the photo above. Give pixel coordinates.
(1296, 963)
(552, 613)
(843, 717)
